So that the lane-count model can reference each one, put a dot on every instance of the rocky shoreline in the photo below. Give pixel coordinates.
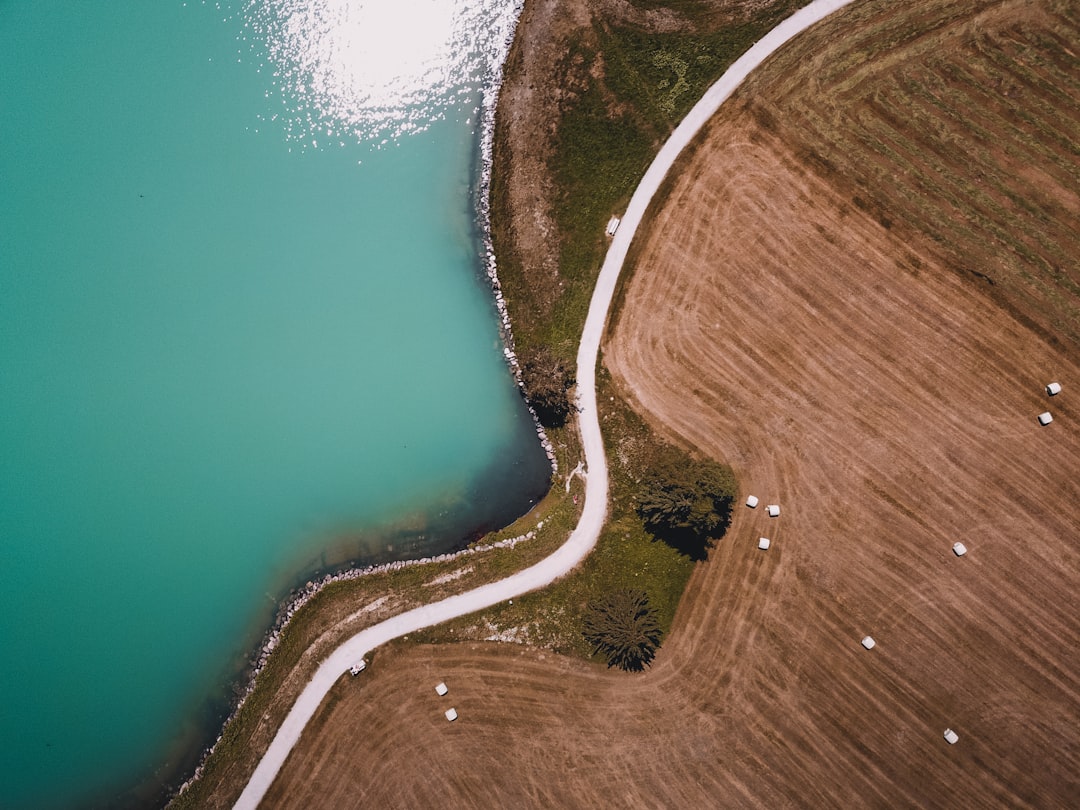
(483, 211)
(301, 596)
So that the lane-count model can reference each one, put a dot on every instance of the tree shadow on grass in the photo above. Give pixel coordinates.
(688, 542)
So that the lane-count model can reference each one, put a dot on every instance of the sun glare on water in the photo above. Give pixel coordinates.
(374, 70)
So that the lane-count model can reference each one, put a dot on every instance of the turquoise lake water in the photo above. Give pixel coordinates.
(229, 359)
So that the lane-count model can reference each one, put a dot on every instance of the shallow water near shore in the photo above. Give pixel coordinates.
(234, 352)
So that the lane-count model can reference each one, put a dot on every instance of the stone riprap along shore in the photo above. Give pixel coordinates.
(301, 596)
(483, 210)
(311, 589)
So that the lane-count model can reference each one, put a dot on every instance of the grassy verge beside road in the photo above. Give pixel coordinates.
(626, 89)
(342, 609)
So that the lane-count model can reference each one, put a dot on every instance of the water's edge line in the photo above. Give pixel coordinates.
(296, 599)
(583, 538)
(493, 85)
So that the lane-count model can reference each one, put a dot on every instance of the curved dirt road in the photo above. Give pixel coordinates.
(584, 536)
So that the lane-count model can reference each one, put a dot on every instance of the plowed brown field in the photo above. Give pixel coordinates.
(851, 370)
